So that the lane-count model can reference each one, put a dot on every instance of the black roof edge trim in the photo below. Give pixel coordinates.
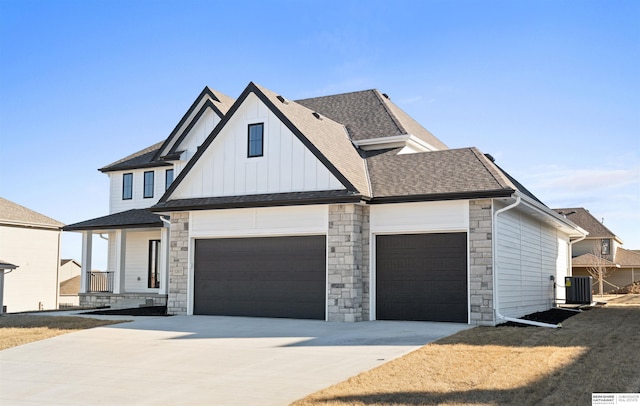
(271, 203)
(172, 157)
(113, 227)
(139, 166)
(443, 196)
(206, 91)
(208, 104)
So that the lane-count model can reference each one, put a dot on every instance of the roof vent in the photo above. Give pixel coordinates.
(490, 157)
(386, 96)
(317, 115)
(282, 99)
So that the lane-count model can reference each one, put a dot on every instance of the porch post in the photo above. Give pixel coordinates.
(118, 277)
(85, 279)
(164, 261)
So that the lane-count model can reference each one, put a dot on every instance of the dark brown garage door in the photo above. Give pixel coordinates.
(421, 277)
(265, 277)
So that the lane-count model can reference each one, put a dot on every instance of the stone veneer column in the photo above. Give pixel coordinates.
(481, 262)
(348, 256)
(178, 263)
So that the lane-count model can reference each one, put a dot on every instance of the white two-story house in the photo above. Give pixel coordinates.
(338, 208)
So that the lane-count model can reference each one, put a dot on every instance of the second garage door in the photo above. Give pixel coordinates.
(422, 277)
(265, 277)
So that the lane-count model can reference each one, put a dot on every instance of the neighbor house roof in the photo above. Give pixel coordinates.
(66, 261)
(134, 218)
(586, 260)
(627, 258)
(369, 114)
(584, 219)
(14, 214)
(70, 287)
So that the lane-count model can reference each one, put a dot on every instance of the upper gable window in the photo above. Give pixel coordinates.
(168, 178)
(256, 140)
(127, 186)
(148, 184)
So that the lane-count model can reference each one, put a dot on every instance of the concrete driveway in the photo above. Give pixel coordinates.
(203, 360)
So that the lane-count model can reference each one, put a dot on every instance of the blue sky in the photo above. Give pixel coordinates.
(550, 88)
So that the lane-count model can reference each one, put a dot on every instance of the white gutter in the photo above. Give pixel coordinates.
(496, 304)
(167, 222)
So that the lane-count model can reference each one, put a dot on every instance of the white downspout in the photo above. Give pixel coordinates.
(496, 304)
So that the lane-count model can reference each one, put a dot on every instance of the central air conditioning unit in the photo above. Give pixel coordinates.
(578, 289)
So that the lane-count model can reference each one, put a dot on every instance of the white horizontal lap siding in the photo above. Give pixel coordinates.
(420, 217)
(286, 166)
(254, 222)
(136, 264)
(527, 256)
(117, 204)
(35, 281)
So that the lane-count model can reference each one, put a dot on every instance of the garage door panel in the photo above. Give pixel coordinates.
(269, 277)
(422, 277)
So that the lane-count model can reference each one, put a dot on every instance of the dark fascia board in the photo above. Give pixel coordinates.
(114, 227)
(251, 88)
(172, 157)
(271, 203)
(205, 91)
(203, 109)
(136, 166)
(444, 196)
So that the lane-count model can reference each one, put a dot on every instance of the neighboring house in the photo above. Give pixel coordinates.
(31, 241)
(601, 246)
(339, 208)
(69, 283)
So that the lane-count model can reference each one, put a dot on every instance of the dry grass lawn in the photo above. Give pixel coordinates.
(18, 329)
(595, 351)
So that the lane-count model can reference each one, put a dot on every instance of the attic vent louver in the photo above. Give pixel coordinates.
(282, 99)
(317, 115)
(386, 96)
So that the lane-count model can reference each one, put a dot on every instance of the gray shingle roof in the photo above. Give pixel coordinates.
(15, 214)
(6, 265)
(584, 219)
(628, 258)
(368, 114)
(134, 218)
(452, 172)
(144, 158)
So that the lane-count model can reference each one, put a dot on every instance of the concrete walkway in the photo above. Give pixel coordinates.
(203, 360)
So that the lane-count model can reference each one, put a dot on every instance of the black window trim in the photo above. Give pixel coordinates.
(249, 155)
(155, 261)
(144, 184)
(124, 186)
(166, 179)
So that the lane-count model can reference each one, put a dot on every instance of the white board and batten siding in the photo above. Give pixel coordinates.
(286, 165)
(117, 204)
(528, 253)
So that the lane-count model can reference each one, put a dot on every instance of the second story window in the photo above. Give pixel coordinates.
(127, 186)
(168, 178)
(148, 184)
(256, 140)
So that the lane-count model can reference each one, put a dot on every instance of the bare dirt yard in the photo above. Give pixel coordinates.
(18, 329)
(595, 351)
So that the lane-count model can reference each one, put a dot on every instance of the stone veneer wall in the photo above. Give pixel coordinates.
(178, 264)
(120, 300)
(481, 262)
(348, 263)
